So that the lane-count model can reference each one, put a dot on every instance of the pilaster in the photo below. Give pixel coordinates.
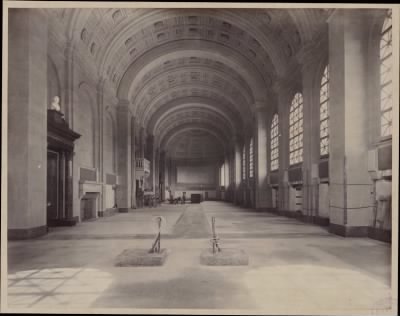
(350, 185)
(124, 156)
(27, 123)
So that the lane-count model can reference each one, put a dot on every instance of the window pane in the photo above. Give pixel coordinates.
(324, 113)
(251, 159)
(275, 143)
(386, 75)
(244, 163)
(296, 129)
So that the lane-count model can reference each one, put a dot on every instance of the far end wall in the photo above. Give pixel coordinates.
(194, 177)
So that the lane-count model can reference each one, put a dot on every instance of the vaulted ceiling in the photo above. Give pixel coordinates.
(186, 70)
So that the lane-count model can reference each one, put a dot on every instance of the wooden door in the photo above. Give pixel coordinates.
(52, 185)
(88, 207)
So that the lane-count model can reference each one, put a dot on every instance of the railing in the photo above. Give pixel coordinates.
(146, 165)
(142, 164)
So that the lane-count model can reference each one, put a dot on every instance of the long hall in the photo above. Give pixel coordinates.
(73, 268)
(211, 159)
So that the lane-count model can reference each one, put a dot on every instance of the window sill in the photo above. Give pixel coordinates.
(296, 165)
(384, 140)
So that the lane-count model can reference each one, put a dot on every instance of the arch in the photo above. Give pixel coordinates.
(146, 104)
(163, 139)
(216, 125)
(188, 112)
(191, 90)
(232, 116)
(178, 49)
(195, 143)
(146, 19)
(234, 79)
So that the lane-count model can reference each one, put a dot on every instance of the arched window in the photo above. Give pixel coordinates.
(231, 173)
(251, 159)
(324, 113)
(222, 175)
(244, 162)
(386, 61)
(296, 130)
(275, 143)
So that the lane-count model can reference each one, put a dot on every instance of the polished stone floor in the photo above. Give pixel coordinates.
(294, 267)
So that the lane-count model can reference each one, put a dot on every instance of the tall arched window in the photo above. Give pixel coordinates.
(222, 175)
(386, 61)
(251, 159)
(324, 113)
(231, 173)
(244, 162)
(275, 143)
(296, 130)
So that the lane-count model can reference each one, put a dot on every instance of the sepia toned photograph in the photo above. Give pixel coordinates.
(200, 158)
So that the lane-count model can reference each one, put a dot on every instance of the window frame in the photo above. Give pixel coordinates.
(296, 130)
(386, 61)
(244, 162)
(324, 120)
(274, 143)
(251, 158)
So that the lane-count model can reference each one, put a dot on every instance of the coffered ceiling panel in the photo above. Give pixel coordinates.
(181, 68)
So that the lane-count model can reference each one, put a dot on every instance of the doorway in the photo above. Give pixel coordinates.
(53, 182)
(88, 206)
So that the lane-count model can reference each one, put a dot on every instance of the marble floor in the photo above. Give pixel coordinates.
(294, 267)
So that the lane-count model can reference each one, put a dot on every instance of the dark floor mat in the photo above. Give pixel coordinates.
(192, 224)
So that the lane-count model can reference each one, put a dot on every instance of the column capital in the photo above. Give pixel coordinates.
(306, 55)
(282, 85)
(237, 139)
(123, 102)
(260, 106)
(123, 106)
(261, 110)
(309, 56)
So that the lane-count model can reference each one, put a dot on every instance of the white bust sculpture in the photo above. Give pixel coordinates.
(55, 104)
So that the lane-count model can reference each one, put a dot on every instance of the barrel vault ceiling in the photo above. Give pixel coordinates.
(192, 76)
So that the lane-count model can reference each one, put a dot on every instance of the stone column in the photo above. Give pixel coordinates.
(308, 58)
(248, 182)
(27, 123)
(283, 99)
(238, 169)
(167, 184)
(142, 141)
(102, 176)
(124, 156)
(162, 174)
(350, 185)
(263, 191)
(226, 174)
(149, 155)
(156, 177)
(133, 162)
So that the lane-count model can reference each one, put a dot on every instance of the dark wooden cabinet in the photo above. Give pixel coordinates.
(60, 150)
(195, 198)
